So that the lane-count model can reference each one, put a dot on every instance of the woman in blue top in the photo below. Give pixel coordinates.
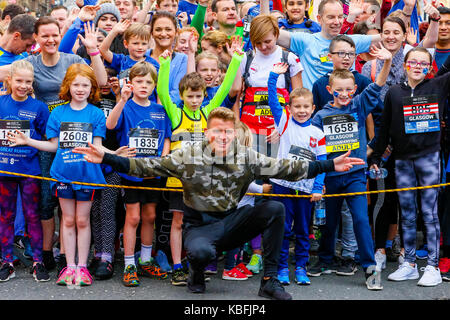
(77, 123)
(18, 111)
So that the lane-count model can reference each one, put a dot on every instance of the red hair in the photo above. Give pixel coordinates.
(83, 70)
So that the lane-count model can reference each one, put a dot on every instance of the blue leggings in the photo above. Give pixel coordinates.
(422, 171)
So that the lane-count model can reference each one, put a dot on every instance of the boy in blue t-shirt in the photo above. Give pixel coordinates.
(343, 122)
(145, 126)
(136, 38)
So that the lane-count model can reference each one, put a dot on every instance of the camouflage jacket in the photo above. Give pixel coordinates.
(217, 184)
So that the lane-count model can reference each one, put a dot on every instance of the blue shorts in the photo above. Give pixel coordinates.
(65, 191)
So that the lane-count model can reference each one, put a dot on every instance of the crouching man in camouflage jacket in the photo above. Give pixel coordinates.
(215, 176)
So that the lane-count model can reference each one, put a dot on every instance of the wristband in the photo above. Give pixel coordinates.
(436, 20)
(94, 53)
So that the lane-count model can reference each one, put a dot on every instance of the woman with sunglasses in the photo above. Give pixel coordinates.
(413, 111)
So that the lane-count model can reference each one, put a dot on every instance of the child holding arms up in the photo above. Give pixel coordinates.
(143, 125)
(18, 111)
(343, 123)
(73, 124)
(299, 140)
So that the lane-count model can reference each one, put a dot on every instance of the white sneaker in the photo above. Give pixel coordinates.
(380, 259)
(401, 258)
(431, 277)
(405, 272)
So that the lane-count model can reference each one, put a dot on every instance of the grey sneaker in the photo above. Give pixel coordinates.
(373, 278)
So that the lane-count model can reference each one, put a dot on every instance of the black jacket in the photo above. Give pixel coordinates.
(392, 130)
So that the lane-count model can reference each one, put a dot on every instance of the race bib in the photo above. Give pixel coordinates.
(341, 133)
(421, 114)
(7, 126)
(145, 141)
(299, 153)
(107, 105)
(262, 103)
(75, 134)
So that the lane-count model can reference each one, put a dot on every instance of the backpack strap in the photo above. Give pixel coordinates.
(287, 74)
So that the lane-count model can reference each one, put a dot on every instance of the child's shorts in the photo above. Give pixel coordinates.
(141, 196)
(65, 191)
(176, 201)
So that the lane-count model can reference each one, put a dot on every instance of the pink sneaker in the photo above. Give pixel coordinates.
(66, 277)
(83, 277)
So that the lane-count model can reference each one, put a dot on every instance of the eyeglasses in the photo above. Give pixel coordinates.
(414, 63)
(447, 23)
(342, 54)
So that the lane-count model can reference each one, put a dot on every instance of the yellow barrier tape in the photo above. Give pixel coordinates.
(249, 194)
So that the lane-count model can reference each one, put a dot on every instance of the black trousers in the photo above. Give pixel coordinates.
(204, 233)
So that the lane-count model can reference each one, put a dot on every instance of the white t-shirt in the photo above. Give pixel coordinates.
(262, 65)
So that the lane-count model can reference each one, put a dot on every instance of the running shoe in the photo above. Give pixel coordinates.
(40, 274)
(283, 276)
(130, 278)
(242, 268)
(211, 268)
(430, 278)
(322, 267)
(6, 272)
(151, 270)
(83, 277)
(444, 265)
(104, 270)
(179, 277)
(300, 276)
(94, 265)
(255, 265)
(404, 272)
(163, 263)
(61, 263)
(347, 267)
(66, 277)
(233, 274)
(446, 276)
(422, 252)
(272, 289)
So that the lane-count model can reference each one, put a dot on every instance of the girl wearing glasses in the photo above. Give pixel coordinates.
(413, 111)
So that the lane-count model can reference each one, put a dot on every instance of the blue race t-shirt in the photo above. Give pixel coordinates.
(7, 57)
(29, 116)
(300, 27)
(440, 56)
(313, 52)
(185, 6)
(75, 128)
(143, 128)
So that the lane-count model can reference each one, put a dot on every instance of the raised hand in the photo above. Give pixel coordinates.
(115, 85)
(203, 3)
(280, 67)
(411, 36)
(356, 7)
(183, 17)
(193, 43)
(430, 10)
(17, 138)
(237, 43)
(92, 153)
(345, 163)
(88, 13)
(121, 26)
(380, 52)
(126, 92)
(166, 54)
(90, 37)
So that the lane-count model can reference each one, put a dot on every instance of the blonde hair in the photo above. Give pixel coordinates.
(261, 26)
(14, 69)
(139, 30)
(206, 55)
(217, 39)
(244, 135)
(143, 68)
(301, 92)
(223, 114)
